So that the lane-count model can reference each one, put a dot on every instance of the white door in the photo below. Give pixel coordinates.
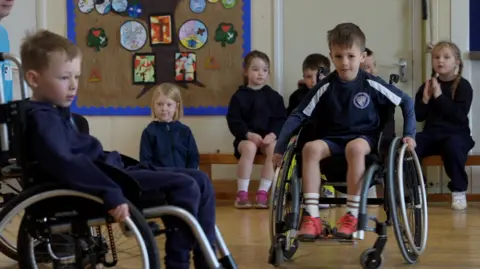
(392, 29)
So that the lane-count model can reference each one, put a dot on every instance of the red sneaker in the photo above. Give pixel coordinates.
(347, 225)
(311, 229)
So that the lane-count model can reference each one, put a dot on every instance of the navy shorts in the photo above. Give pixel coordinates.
(337, 144)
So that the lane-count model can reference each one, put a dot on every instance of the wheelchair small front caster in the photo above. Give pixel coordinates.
(368, 261)
(276, 256)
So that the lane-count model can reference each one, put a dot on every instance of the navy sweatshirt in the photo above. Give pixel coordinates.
(259, 111)
(348, 108)
(68, 155)
(169, 144)
(444, 114)
(296, 98)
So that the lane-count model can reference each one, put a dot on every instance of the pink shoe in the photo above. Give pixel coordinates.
(262, 200)
(311, 229)
(347, 225)
(242, 201)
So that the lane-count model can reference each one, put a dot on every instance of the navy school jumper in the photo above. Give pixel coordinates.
(447, 131)
(259, 111)
(67, 155)
(346, 110)
(169, 144)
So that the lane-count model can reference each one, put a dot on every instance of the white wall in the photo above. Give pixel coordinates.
(450, 17)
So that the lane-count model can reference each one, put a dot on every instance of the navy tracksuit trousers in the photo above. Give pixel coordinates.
(453, 148)
(191, 190)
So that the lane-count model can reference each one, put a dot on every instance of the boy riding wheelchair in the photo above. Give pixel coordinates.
(55, 213)
(347, 132)
(391, 165)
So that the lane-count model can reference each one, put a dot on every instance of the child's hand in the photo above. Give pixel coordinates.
(300, 82)
(277, 160)
(268, 139)
(435, 88)
(427, 92)
(255, 138)
(410, 142)
(120, 213)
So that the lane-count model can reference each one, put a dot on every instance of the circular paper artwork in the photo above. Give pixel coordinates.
(119, 5)
(104, 8)
(193, 34)
(86, 6)
(133, 35)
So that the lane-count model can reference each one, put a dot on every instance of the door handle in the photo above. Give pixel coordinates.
(402, 69)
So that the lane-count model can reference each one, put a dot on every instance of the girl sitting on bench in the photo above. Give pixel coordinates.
(443, 102)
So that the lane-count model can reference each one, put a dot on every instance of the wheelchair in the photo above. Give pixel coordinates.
(391, 164)
(73, 219)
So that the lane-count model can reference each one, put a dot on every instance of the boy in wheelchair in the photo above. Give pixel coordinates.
(344, 109)
(52, 67)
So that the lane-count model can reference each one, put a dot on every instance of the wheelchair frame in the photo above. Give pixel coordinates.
(12, 120)
(283, 227)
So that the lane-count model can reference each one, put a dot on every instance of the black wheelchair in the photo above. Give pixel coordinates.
(391, 164)
(54, 214)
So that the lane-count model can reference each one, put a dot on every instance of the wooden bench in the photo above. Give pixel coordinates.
(473, 160)
(209, 159)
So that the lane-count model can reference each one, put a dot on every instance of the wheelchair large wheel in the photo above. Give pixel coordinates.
(407, 201)
(89, 246)
(285, 209)
(8, 244)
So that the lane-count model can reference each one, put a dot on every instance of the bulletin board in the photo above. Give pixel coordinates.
(474, 25)
(129, 46)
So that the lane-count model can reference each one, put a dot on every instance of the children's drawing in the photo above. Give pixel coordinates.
(160, 29)
(212, 63)
(133, 35)
(97, 38)
(119, 5)
(198, 6)
(135, 9)
(193, 34)
(94, 76)
(144, 69)
(226, 34)
(104, 8)
(86, 6)
(229, 3)
(185, 67)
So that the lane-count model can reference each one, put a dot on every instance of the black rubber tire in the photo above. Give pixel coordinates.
(410, 257)
(366, 260)
(24, 253)
(278, 213)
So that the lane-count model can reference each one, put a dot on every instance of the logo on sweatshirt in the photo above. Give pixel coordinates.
(361, 100)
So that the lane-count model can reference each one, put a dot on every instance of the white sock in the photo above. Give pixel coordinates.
(311, 204)
(242, 184)
(353, 202)
(264, 185)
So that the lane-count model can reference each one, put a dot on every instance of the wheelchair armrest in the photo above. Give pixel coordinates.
(130, 187)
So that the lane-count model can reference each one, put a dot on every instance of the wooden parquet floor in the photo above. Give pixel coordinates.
(454, 242)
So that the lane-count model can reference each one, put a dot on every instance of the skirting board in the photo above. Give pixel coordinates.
(226, 189)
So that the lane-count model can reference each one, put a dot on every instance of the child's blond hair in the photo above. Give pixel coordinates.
(171, 91)
(458, 56)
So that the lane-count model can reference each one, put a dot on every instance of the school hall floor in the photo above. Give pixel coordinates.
(454, 242)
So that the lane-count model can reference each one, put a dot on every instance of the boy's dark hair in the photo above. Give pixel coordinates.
(315, 61)
(346, 35)
(36, 49)
(369, 52)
